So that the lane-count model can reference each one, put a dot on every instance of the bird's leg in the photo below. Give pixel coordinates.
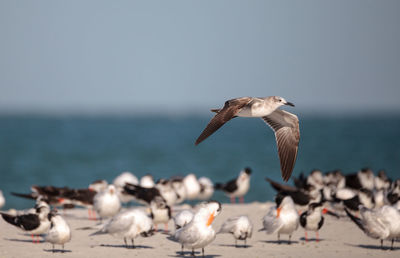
(382, 244)
(133, 244)
(126, 244)
(317, 236)
(38, 239)
(166, 227)
(182, 250)
(94, 214)
(89, 214)
(241, 199)
(33, 240)
(202, 251)
(391, 247)
(305, 235)
(63, 248)
(235, 242)
(53, 249)
(245, 243)
(279, 239)
(290, 236)
(155, 227)
(193, 252)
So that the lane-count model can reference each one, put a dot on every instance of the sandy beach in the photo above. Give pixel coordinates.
(339, 238)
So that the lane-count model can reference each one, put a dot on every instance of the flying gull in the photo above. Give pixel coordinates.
(284, 124)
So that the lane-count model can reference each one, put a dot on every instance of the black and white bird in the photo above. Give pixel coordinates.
(35, 224)
(237, 187)
(240, 227)
(284, 124)
(143, 195)
(60, 232)
(312, 219)
(282, 219)
(160, 212)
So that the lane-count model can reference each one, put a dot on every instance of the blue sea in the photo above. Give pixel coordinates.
(76, 150)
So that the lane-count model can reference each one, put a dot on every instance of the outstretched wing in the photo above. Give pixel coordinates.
(229, 111)
(287, 134)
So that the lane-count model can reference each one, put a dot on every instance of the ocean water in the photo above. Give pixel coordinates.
(76, 150)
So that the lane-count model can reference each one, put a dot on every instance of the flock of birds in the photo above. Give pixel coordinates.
(372, 202)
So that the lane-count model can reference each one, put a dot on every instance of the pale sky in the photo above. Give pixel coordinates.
(184, 56)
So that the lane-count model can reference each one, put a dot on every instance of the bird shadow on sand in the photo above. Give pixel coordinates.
(189, 254)
(57, 251)
(237, 246)
(129, 247)
(375, 247)
(281, 242)
(311, 239)
(23, 240)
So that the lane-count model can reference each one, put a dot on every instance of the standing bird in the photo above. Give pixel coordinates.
(107, 202)
(36, 223)
(284, 124)
(199, 232)
(237, 187)
(160, 212)
(382, 223)
(312, 219)
(60, 232)
(282, 220)
(240, 227)
(181, 219)
(128, 225)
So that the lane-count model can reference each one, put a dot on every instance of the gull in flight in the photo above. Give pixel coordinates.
(284, 124)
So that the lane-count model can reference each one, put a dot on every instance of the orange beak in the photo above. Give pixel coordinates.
(278, 211)
(60, 200)
(324, 210)
(210, 219)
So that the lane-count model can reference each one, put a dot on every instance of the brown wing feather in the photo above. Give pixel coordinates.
(229, 111)
(287, 134)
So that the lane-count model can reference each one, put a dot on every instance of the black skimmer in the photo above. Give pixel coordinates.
(142, 194)
(284, 124)
(32, 223)
(160, 212)
(237, 187)
(312, 219)
(120, 182)
(240, 227)
(60, 232)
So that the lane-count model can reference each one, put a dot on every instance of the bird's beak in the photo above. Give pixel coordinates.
(324, 210)
(210, 219)
(278, 211)
(289, 104)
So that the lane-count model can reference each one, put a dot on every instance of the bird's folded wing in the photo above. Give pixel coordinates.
(287, 134)
(229, 111)
(271, 224)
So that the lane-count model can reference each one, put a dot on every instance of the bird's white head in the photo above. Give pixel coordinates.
(279, 101)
